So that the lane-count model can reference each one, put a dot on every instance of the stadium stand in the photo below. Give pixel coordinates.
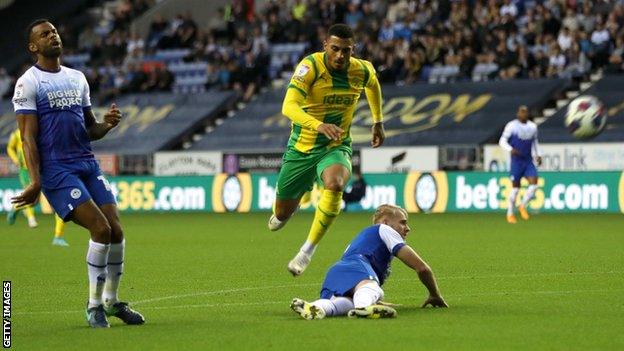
(437, 116)
(152, 122)
(609, 91)
(407, 41)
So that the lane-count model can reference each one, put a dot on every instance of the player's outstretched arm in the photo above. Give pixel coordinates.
(29, 128)
(373, 96)
(97, 130)
(408, 256)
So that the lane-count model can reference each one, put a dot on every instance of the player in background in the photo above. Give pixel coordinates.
(15, 153)
(320, 100)
(57, 125)
(59, 232)
(352, 286)
(520, 139)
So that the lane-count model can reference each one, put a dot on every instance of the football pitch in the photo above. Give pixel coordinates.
(209, 281)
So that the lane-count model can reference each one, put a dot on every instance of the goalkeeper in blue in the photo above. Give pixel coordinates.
(352, 286)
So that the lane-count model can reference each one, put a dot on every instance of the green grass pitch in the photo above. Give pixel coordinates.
(207, 281)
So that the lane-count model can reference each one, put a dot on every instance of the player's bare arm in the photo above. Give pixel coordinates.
(373, 96)
(331, 131)
(379, 134)
(29, 128)
(408, 256)
(97, 130)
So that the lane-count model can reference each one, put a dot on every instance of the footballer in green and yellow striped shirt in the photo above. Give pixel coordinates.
(320, 101)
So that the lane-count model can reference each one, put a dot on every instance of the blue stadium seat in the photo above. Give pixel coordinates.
(77, 61)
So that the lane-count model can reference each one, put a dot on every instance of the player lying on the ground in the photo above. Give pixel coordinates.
(352, 286)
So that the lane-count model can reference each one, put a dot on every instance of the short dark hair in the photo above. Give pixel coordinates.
(341, 31)
(33, 25)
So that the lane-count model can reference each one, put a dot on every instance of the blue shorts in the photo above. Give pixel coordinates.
(343, 276)
(521, 169)
(67, 185)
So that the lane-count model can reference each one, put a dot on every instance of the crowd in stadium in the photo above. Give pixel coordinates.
(407, 41)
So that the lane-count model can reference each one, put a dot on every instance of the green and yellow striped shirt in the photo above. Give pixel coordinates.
(327, 97)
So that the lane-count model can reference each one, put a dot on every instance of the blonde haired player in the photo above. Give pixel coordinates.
(16, 154)
(321, 100)
(352, 286)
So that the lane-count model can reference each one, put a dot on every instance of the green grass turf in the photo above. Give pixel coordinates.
(206, 281)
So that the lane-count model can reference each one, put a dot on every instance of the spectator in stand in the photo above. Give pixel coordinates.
(616, 58)
(158, 78)
(600, 39)
(472, 39)
(509, 8)
(565, 39)
(556, 61)
(158, 29)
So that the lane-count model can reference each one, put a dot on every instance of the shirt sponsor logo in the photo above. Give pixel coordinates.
(20, 101)
(340, 99)
(61, 99)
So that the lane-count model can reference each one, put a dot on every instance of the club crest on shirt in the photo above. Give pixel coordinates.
(75, 193)
(18, 96)
(73, 81)
(302, 70)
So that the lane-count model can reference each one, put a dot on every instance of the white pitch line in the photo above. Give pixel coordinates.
(216, 292)
(537, 292)
(525, 275)
(453, 297)
(285, 303)
(235, 290)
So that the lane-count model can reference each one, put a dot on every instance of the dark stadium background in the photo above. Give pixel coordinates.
(201, 83)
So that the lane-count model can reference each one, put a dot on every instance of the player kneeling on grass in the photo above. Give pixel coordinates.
(352, 286)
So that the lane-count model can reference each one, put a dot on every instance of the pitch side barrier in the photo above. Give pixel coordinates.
(586, 156)
(151, 122)
(609, 91)
(434, 192)
(419, 114)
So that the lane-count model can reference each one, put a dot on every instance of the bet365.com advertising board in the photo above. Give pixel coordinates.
(434, 192)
